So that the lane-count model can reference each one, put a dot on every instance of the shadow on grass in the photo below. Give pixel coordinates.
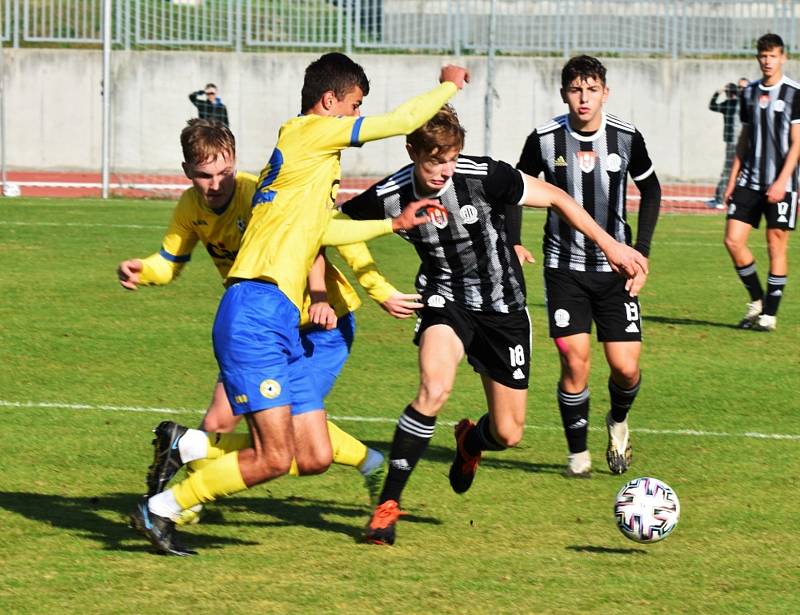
(104, 518)
(502, 460)
(606, 550)
(669, 320)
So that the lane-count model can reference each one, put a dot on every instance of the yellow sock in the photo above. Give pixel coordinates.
(218, 479)
(293, 469)
(347, 450)
(220, 444)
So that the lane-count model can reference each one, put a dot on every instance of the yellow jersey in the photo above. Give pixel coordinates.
(297, 189)
(221, 233)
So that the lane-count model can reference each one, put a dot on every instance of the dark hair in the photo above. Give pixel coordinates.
(442, 132)
(202, 140)
(769, 41)
(210, 85)
(583, 68)
(731, 89)
(333, 72)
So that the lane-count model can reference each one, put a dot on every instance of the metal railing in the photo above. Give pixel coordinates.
(636, 27)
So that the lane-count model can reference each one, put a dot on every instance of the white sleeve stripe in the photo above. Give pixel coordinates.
(797, 121)
(647, 173)
(524, 188)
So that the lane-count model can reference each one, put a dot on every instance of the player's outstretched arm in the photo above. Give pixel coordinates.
(415, 112)
(622, 258)
(128, 273)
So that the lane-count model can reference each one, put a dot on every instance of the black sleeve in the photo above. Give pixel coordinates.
(796, 108)
(365, 206)
(504, 184)
(649, 205)
(713, 106)
(193, 97)
(744, 112)
(530, 160)
(225, 115)
(514, 224)
(640, 164)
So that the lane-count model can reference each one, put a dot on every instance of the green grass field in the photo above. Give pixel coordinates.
(87, 369)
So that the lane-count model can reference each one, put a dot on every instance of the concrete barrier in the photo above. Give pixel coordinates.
(53, 105)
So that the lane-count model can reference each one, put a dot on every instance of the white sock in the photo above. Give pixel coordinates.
(580, 462)
(373, 460)
(193, 445)
(164, 504)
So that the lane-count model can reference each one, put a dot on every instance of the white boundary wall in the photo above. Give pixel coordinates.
(53, 105)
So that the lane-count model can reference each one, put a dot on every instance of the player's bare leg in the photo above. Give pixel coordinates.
(500, 428)
(574, 353)
(312, 444)
(737, 234)
(440, 351)
(623, 386)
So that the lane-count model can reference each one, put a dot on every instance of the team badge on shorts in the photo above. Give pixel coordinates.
(561, 318)
(586, 161)
(270, 388)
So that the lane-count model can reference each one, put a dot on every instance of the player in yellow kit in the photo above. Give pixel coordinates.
(215, 212)
(256, 334)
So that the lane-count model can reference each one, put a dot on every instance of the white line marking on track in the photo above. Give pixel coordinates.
(696, 433)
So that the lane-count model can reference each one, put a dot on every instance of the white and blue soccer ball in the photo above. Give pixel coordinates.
(646, 509)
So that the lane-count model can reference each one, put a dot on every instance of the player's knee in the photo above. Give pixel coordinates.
(626, 375)
(315, 465)
(218, 424)
(433, 395)
(510, 434)
(733, 244)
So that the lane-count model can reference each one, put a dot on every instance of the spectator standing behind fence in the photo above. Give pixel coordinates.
(729, 108)
(212, 107)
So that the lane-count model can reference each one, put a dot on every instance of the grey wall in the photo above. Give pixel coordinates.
(53, 105)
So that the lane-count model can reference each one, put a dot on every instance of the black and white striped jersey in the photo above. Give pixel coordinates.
(593, 169)
(466, 257)
(769, 113)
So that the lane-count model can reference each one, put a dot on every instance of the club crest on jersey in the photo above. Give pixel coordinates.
(614, 163)
(779, 106)
(561, 318)
(469, 214)
(586, 161)
(270, 388)
(763, 101)
(437, 216)
(436, 301)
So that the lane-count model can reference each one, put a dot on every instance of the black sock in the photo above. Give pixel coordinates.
(480, 438)
(775, 284)
(621, 399)
(749, 277)
(411, 437)
(575, 418)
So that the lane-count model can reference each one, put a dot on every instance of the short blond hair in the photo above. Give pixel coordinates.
(443, 132)
(202, 140)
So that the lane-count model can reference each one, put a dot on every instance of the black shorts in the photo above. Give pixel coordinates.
(748, 205)
(575, 298)
(497, 345)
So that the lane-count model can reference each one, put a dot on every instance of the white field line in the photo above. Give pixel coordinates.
(694, 433)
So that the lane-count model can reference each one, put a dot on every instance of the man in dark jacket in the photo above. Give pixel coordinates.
(210, 108)
(729, 108)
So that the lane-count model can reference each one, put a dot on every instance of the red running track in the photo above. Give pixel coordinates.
(675, 197)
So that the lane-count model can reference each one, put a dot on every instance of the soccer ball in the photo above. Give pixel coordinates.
(646, 509)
